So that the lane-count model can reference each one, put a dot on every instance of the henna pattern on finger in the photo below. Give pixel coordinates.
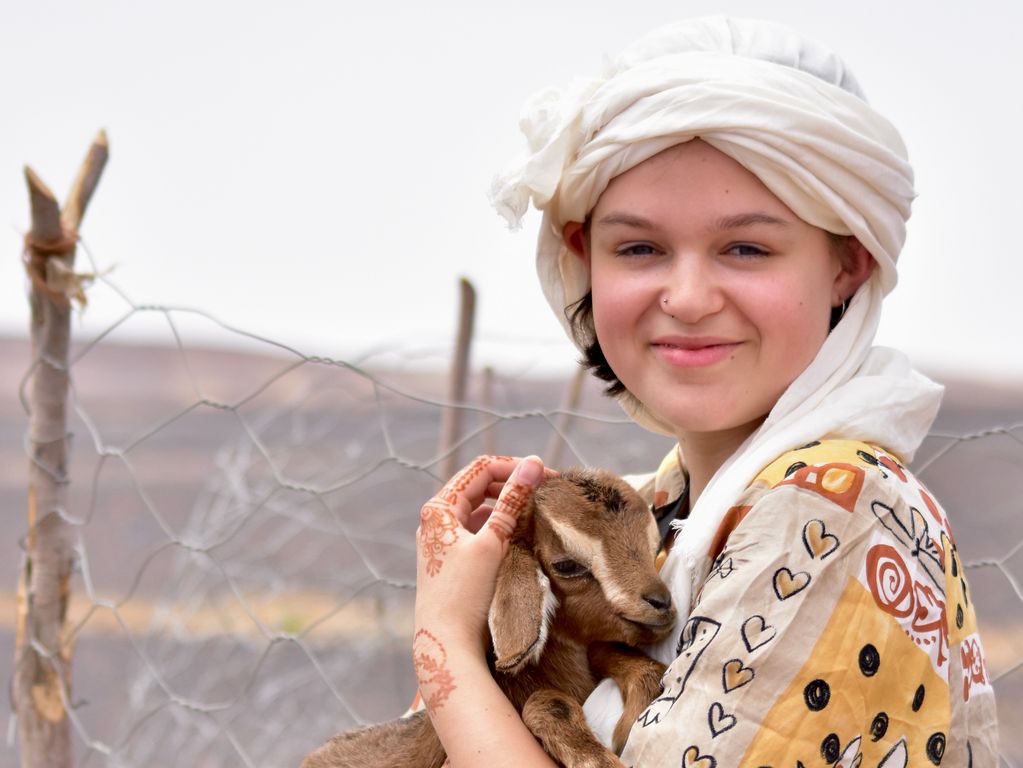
(438, 530)
(460, 482)
(431, 662)
(502, 522)
(439, 525)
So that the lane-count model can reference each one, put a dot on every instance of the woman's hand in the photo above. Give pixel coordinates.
(461, 541)
(460, 544)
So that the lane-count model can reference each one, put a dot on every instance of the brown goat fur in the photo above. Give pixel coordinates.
(576, 591)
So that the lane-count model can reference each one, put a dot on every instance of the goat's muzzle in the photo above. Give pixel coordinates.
(653, 618)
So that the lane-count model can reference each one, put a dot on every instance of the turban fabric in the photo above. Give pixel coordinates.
(795, 118)
(785, 108)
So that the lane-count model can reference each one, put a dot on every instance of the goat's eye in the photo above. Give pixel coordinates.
(569, 569)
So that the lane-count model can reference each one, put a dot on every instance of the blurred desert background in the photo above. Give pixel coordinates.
(244, 521)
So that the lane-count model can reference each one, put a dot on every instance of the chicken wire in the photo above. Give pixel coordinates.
(244, 526)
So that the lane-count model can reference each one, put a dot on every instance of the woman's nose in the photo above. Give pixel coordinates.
(691, 290)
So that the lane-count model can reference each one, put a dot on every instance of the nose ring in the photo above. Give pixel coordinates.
(666, 308)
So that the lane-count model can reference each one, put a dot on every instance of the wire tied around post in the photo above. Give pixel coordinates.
(48, 266)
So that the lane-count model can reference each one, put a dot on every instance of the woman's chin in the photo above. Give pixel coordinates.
(707, 418)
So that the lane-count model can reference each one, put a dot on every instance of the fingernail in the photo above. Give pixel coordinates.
(530, 471)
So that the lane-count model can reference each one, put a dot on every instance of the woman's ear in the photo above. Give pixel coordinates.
(857, 265)
(574, 236)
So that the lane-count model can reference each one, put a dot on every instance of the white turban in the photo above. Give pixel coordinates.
(783, 107)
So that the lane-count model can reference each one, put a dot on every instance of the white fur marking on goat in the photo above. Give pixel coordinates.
(589, 550)
(549, 606)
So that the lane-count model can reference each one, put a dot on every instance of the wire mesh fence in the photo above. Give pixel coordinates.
(243, 526)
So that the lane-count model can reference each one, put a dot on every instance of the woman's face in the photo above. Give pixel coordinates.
(709, 295)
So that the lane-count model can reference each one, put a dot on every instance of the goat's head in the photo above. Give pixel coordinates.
(585, 548)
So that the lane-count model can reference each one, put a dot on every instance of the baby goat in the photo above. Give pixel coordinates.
(576, 590)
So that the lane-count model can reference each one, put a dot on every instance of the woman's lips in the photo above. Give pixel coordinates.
(694, 352)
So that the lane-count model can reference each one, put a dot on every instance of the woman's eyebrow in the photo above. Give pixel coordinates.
(748, 219)
(627, 219)
(735, 221)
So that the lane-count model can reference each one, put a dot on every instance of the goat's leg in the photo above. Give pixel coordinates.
(557, 720)
(638, 678)
(409, 742)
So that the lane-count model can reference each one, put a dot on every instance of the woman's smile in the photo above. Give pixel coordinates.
(694, 351)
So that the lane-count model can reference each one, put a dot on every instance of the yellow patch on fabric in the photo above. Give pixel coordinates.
(824, 452)
(962, 620)
(846, 477)
(693, 759)
(818, 541)
(736, 675)
(787, 583)
(865, 679)
(662, 555)
(838, 480)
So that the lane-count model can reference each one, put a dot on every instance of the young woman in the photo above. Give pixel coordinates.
(722, 214)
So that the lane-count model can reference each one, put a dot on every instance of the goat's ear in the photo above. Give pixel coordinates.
(521, 612)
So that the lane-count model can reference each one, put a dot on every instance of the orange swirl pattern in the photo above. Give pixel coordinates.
(889, 580)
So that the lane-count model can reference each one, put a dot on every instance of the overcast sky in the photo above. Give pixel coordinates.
(316, 172)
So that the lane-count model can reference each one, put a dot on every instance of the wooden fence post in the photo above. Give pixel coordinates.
(42, 656)
(569, 404)
(451, 423)
(487, 401)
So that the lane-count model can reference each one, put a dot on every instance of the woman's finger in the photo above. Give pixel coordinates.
(468, 489)
(494, 489)
(448, 515)
(514, 497)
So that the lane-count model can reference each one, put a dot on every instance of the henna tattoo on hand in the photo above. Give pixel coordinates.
(431, 662)
(460, 482)
(506, 513)
(439, 525)
(438, 530)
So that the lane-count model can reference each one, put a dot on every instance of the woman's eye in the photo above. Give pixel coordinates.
(746, 251)
(569, 569)
(636, 249)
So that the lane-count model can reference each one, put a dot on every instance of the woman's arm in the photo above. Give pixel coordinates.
(460, 545)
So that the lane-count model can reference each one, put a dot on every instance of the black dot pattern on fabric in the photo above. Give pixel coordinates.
(918, 698)
(816, 694)
(831, 748)
(879, 726)
(867, 458)
(936, 747)
(960, 618)
(870, 660)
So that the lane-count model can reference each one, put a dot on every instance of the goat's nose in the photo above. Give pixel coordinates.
(661, 600)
